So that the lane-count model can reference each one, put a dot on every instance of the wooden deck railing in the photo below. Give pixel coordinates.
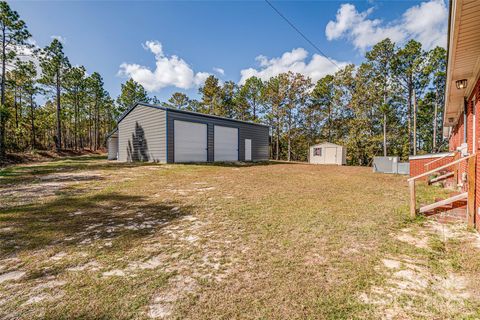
(471, 186)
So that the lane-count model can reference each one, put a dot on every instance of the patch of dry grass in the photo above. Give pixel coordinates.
(99, 240)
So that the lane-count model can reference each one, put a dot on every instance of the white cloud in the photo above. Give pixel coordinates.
(295, 61)
(426, 23)
(169, 71)
(220, 71)
(59, 38)
(26, 53)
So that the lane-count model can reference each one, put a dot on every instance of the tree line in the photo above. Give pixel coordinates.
(77, 112)
(391, 104)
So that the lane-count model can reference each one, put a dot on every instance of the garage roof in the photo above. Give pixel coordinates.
(326, 144)
(183, 111)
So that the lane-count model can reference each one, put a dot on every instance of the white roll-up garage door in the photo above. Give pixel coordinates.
(225, 144)
(190, 141)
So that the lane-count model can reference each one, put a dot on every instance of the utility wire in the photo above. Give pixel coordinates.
(301, 34)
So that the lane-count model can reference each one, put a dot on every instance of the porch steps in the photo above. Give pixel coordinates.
(441, 177)
(446, 204)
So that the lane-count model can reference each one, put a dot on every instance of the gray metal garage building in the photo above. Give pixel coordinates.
(160, 134)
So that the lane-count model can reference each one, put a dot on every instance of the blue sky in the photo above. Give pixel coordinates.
(172, 46)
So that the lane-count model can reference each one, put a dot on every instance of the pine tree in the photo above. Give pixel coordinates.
(54, 65)
(97, 99)
(211, 93)
(380, 57)
(75, 85)
(13, 35)
(407, 67)
(131, 93)
(437, 68)
(274, 95)
(297, 95)
(32, 89)
(322, 100)
(178, 100)
(227, 107)
(250, 96)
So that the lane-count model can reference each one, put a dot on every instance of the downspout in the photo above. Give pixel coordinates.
(474, 142)
(465, 108)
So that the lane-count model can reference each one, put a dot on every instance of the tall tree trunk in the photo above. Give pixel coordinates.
(414, 123)
(97, 125)
(384, 134)
(2, 95)
(289, 149)
(18, 110)
(75, 126)
(32, 121)
(409, 117)
(15, 106)
(277, 147)
(435, 115)
(90, 127)
(19, 104)
(384, 125)
(330, 122)
(277, 150)
(58, 142)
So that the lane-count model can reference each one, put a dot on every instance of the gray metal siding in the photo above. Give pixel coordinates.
(142, 135)
(257, 133)
(113, 147)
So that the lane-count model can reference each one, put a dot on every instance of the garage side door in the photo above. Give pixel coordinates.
(190, 141)
(225, 144)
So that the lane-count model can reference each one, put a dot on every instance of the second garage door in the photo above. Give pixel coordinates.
(190, 141)
(225, 144)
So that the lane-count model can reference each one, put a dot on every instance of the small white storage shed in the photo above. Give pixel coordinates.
(328, 153)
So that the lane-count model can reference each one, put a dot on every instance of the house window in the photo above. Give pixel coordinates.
(317, 152)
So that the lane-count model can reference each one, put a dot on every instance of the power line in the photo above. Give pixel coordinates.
(301, 33)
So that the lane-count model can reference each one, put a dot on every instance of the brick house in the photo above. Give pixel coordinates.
(462, 95)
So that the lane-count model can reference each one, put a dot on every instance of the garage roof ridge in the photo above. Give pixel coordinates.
(183, 111)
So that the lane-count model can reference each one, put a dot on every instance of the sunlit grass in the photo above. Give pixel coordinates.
(264, 241)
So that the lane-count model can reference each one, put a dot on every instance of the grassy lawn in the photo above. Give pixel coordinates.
(85, 238)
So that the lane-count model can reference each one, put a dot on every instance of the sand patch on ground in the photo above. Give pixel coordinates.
(11, 276)
(409, 281)
(43, 186)
(163, 302)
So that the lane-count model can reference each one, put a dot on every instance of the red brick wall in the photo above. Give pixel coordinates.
(470, 126)
(456, 140)
(418, 166)
(476, 93)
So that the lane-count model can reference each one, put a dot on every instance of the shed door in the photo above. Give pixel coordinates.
(190, 141)
(248, 150)
(330, 155)
(225, 144)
